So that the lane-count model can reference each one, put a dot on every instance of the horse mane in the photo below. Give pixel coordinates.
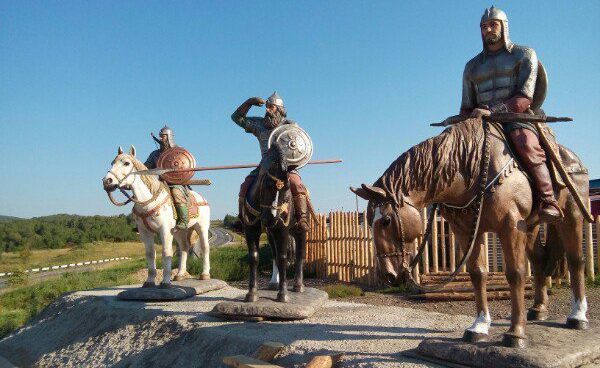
(432, 165)
(151, 181)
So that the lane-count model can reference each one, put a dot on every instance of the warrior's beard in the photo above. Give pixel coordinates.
(272, 120)
(492, 38)
(164, 145)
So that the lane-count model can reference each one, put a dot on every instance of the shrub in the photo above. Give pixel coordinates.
(342, 291)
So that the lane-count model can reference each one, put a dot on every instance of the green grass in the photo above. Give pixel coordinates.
(393, 290)
(342, 291)
(231, 263)
(21, 304)
(12, 261)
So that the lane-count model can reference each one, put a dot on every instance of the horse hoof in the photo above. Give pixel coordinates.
(283, 298)
(576, 324)
(179, 277)
(537, 315)
(251, 298)
(474, 337)
(204, 276)
(513, 341)
(164, 285)
(148, 285)
(273, 286)
(298, 288)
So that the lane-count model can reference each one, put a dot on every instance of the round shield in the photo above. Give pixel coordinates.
(176, 158)
(295, 144)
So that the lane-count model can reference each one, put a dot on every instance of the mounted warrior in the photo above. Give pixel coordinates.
(179, 193)
(262, 128)
(503, 78)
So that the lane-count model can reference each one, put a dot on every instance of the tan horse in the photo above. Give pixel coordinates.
(446, 169)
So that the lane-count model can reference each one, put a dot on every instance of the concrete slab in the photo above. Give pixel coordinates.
(179, 290)
(550, 345)
(300, 306)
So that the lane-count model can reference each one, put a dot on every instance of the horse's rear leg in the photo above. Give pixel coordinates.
(513, 239)
(477, 270)
(300, 238)
(570, 231)
(537, 254)
(205, 248)
(252, 238)
(167, 256)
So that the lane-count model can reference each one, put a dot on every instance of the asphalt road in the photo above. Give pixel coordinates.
(220, 237)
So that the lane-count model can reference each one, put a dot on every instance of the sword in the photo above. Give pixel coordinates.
(226, 167)
(506, 117)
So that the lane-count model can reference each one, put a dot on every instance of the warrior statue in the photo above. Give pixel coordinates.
(261, 128)
(179, 193)
(502, 78)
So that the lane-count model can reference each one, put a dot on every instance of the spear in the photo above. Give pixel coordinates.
(506, 117)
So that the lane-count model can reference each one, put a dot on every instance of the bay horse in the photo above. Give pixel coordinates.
(269, 204)
(447, 170)
(153, 214)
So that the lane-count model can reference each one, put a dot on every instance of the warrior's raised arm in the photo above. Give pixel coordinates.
(239, 115)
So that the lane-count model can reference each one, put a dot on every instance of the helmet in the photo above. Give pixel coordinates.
(170, 136)
(494, 13)
(276, 100)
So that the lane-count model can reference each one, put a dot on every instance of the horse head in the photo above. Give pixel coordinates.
(395, 223)
(275, 186)
(119, 176)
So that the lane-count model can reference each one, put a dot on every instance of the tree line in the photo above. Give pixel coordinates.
(58, 231)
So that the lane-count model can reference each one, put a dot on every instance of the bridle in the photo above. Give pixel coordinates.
(123, 190)
(275, 207)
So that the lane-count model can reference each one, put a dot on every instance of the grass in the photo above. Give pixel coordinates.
(13, 261)
(342, 291)
(21, 304)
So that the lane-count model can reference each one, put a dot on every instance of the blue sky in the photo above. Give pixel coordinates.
(365, 79)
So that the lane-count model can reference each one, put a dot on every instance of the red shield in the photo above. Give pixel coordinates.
(177, 158)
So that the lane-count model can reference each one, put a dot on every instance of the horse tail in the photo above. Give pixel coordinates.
(553, 253)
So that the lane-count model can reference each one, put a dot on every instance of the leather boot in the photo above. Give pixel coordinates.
(301, 211)
(550, 211)
(182, 216)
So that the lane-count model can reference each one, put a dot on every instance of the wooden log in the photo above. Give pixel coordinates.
(415, 270)
(452, 251)
(589, 250)
(426, 250)
(324, 361)
(443, 241)
(468, 296)
(243, 361)
(268, 351)
(434, 244)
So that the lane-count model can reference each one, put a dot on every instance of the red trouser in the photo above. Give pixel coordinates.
(533, 157)
(296, 185)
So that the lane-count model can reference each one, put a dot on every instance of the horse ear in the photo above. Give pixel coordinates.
(120, 151)
(132, 150)
(370, 193)
(359, 192)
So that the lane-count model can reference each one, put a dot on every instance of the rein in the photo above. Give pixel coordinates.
(275, 207)
(478, 205)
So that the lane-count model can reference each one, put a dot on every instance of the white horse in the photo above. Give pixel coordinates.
(153, 214)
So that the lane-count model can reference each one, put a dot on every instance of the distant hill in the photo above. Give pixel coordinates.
(8, 218)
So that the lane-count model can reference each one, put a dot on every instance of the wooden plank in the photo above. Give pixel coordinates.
(452, 251)
(324, 361)
(485, 253)
(443, 242)
(598, 240)
(426, 250)
(243, 361)
(434, 244)
(589, 250)
(268, 351)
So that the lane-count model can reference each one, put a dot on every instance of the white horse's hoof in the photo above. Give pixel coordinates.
(204, 276)
(576, 324)
(179, 277)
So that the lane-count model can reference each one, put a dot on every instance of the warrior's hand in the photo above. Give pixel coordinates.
(255, 101)
(479, 113)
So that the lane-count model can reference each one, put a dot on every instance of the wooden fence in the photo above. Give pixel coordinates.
(340, 246)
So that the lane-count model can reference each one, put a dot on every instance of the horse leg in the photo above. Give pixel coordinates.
(570, 231)
(148, 240)
(252, 238)
(535, 253)
(167, 256)
(476, 267)
(281, 238)
(184, 246)
(300, 238)
(205, 246)
(513, 239)
(274, 282)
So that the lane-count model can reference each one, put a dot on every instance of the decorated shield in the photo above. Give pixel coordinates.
(295, 144)
(176, 158)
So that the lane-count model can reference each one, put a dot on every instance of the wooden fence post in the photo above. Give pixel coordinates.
(589, 251)
(426, 250)
(434, 244)
(452, 251)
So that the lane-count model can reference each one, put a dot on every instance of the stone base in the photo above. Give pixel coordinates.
(178, 290)
(549, 344)
(300, 306)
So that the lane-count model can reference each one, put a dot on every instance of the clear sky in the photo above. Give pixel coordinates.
(364, 78)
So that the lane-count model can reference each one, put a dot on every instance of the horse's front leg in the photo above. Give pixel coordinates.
(184, 246)
(281, 238)
(300, 238)
(274, 282)
(148, 240)
(252, 239)
(479, 330)
(166, 238)
(513, 238)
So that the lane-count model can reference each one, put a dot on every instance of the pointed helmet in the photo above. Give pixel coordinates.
(276, 100)
(170, 136)
(494, 13)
